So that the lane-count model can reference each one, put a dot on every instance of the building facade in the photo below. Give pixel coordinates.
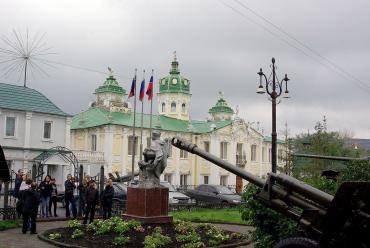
(106, 127)
(31, 124)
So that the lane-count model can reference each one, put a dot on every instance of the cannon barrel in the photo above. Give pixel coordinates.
(322, 199)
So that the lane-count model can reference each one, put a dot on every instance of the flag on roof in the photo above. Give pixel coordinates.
(149, 91)
(142, 89)
(133, 87)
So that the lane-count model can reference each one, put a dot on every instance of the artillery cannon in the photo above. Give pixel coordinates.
(325, 221)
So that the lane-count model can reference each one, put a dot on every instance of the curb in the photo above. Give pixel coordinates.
(60, 244)
(220, 222)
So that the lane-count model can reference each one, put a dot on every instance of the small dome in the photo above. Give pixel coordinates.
(111, 86)
(174, 82)
(221, 106)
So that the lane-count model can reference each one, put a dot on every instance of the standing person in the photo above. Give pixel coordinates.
(107, 199)
(53, 197)
(45, 193)
(31, 201)
(83, 188)
(69, 197)
(17, 183)
(92, 198)
(24, 185)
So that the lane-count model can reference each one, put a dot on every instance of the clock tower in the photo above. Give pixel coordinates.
(174, 94)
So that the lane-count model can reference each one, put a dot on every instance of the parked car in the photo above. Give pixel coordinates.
(214, 194)
(174, 196)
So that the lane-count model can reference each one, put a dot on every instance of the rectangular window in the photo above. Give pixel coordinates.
(206, 146)
(131, 145)
(148, 142)
(270, 152)
(47, 129)
(223, 180)
(223, 149)
(10, 127)
(168, 177)
(93, 143)
(206, 179)
(183, 180)
(263, 154)
(240, 154)
(169, 145)
(183, 154)
(280, 156)
(253, 152)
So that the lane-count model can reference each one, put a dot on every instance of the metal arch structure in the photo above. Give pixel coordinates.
(62, 152)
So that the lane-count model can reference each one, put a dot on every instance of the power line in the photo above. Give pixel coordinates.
(338, 72)
(301, 43)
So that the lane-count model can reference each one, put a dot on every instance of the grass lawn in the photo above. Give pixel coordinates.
(8, 224)
(231, 215)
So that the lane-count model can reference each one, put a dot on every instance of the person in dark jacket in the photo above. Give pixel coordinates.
(69, 197)
(92, 199)
(53, 197)
(82, 194)
(107, 199)
(17, 183)
(45, 194)
(31, 200)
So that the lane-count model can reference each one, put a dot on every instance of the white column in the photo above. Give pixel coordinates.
(108, 148)
(232, 177)
(124, 152)
(27, 131)
(68, 133)
(214, 178)
(260, 157)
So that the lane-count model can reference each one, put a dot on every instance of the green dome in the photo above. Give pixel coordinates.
(174, 82)
(111, 86)
(221, 107)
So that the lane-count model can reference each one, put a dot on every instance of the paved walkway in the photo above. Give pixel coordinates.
(14, 238)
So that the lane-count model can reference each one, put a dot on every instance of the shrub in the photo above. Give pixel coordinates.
(8, 224)
(156, 239)
(194, 245)
(54, 236)
(104, 227)
(77, 233)
(270, 225)
(121, 228)
(74, 224)
(120, 241)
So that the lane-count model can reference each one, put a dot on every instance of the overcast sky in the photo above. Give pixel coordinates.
(219, 48)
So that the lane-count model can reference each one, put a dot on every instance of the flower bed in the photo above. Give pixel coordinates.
(116, 232)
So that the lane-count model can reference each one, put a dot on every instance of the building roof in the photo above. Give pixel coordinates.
(95, 117)
(26, 99)
(174, 82)
(269, 139)
(221, 107)
(111, 86)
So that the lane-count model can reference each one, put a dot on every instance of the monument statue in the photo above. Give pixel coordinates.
(154, 163)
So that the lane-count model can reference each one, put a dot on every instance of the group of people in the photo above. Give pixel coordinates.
(30, 195)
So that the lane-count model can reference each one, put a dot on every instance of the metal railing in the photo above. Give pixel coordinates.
(89, 156)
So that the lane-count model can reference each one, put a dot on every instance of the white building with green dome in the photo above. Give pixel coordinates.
(105, 129)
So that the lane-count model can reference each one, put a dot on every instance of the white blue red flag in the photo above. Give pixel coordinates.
(133, 88)
(142, 89)
(149, 91)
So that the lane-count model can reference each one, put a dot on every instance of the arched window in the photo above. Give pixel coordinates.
(183, 108)
(173, 107)
(163, 107)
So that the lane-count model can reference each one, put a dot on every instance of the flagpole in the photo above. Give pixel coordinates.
(133, 134)
(151, 112)
(142, 116)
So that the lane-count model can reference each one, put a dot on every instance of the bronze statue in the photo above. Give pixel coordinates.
(154, 163)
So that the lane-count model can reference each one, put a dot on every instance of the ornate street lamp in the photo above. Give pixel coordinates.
(274, 88)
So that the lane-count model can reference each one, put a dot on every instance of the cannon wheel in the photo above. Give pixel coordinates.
(297, 243)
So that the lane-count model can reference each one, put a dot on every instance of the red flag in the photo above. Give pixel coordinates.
(142, 88)
(149, 90)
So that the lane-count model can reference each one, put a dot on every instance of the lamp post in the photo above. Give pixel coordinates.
(274, 88)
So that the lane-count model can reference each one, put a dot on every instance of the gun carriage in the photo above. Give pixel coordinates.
(325, 221)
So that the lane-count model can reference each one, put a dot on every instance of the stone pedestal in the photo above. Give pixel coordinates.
(147, 205)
